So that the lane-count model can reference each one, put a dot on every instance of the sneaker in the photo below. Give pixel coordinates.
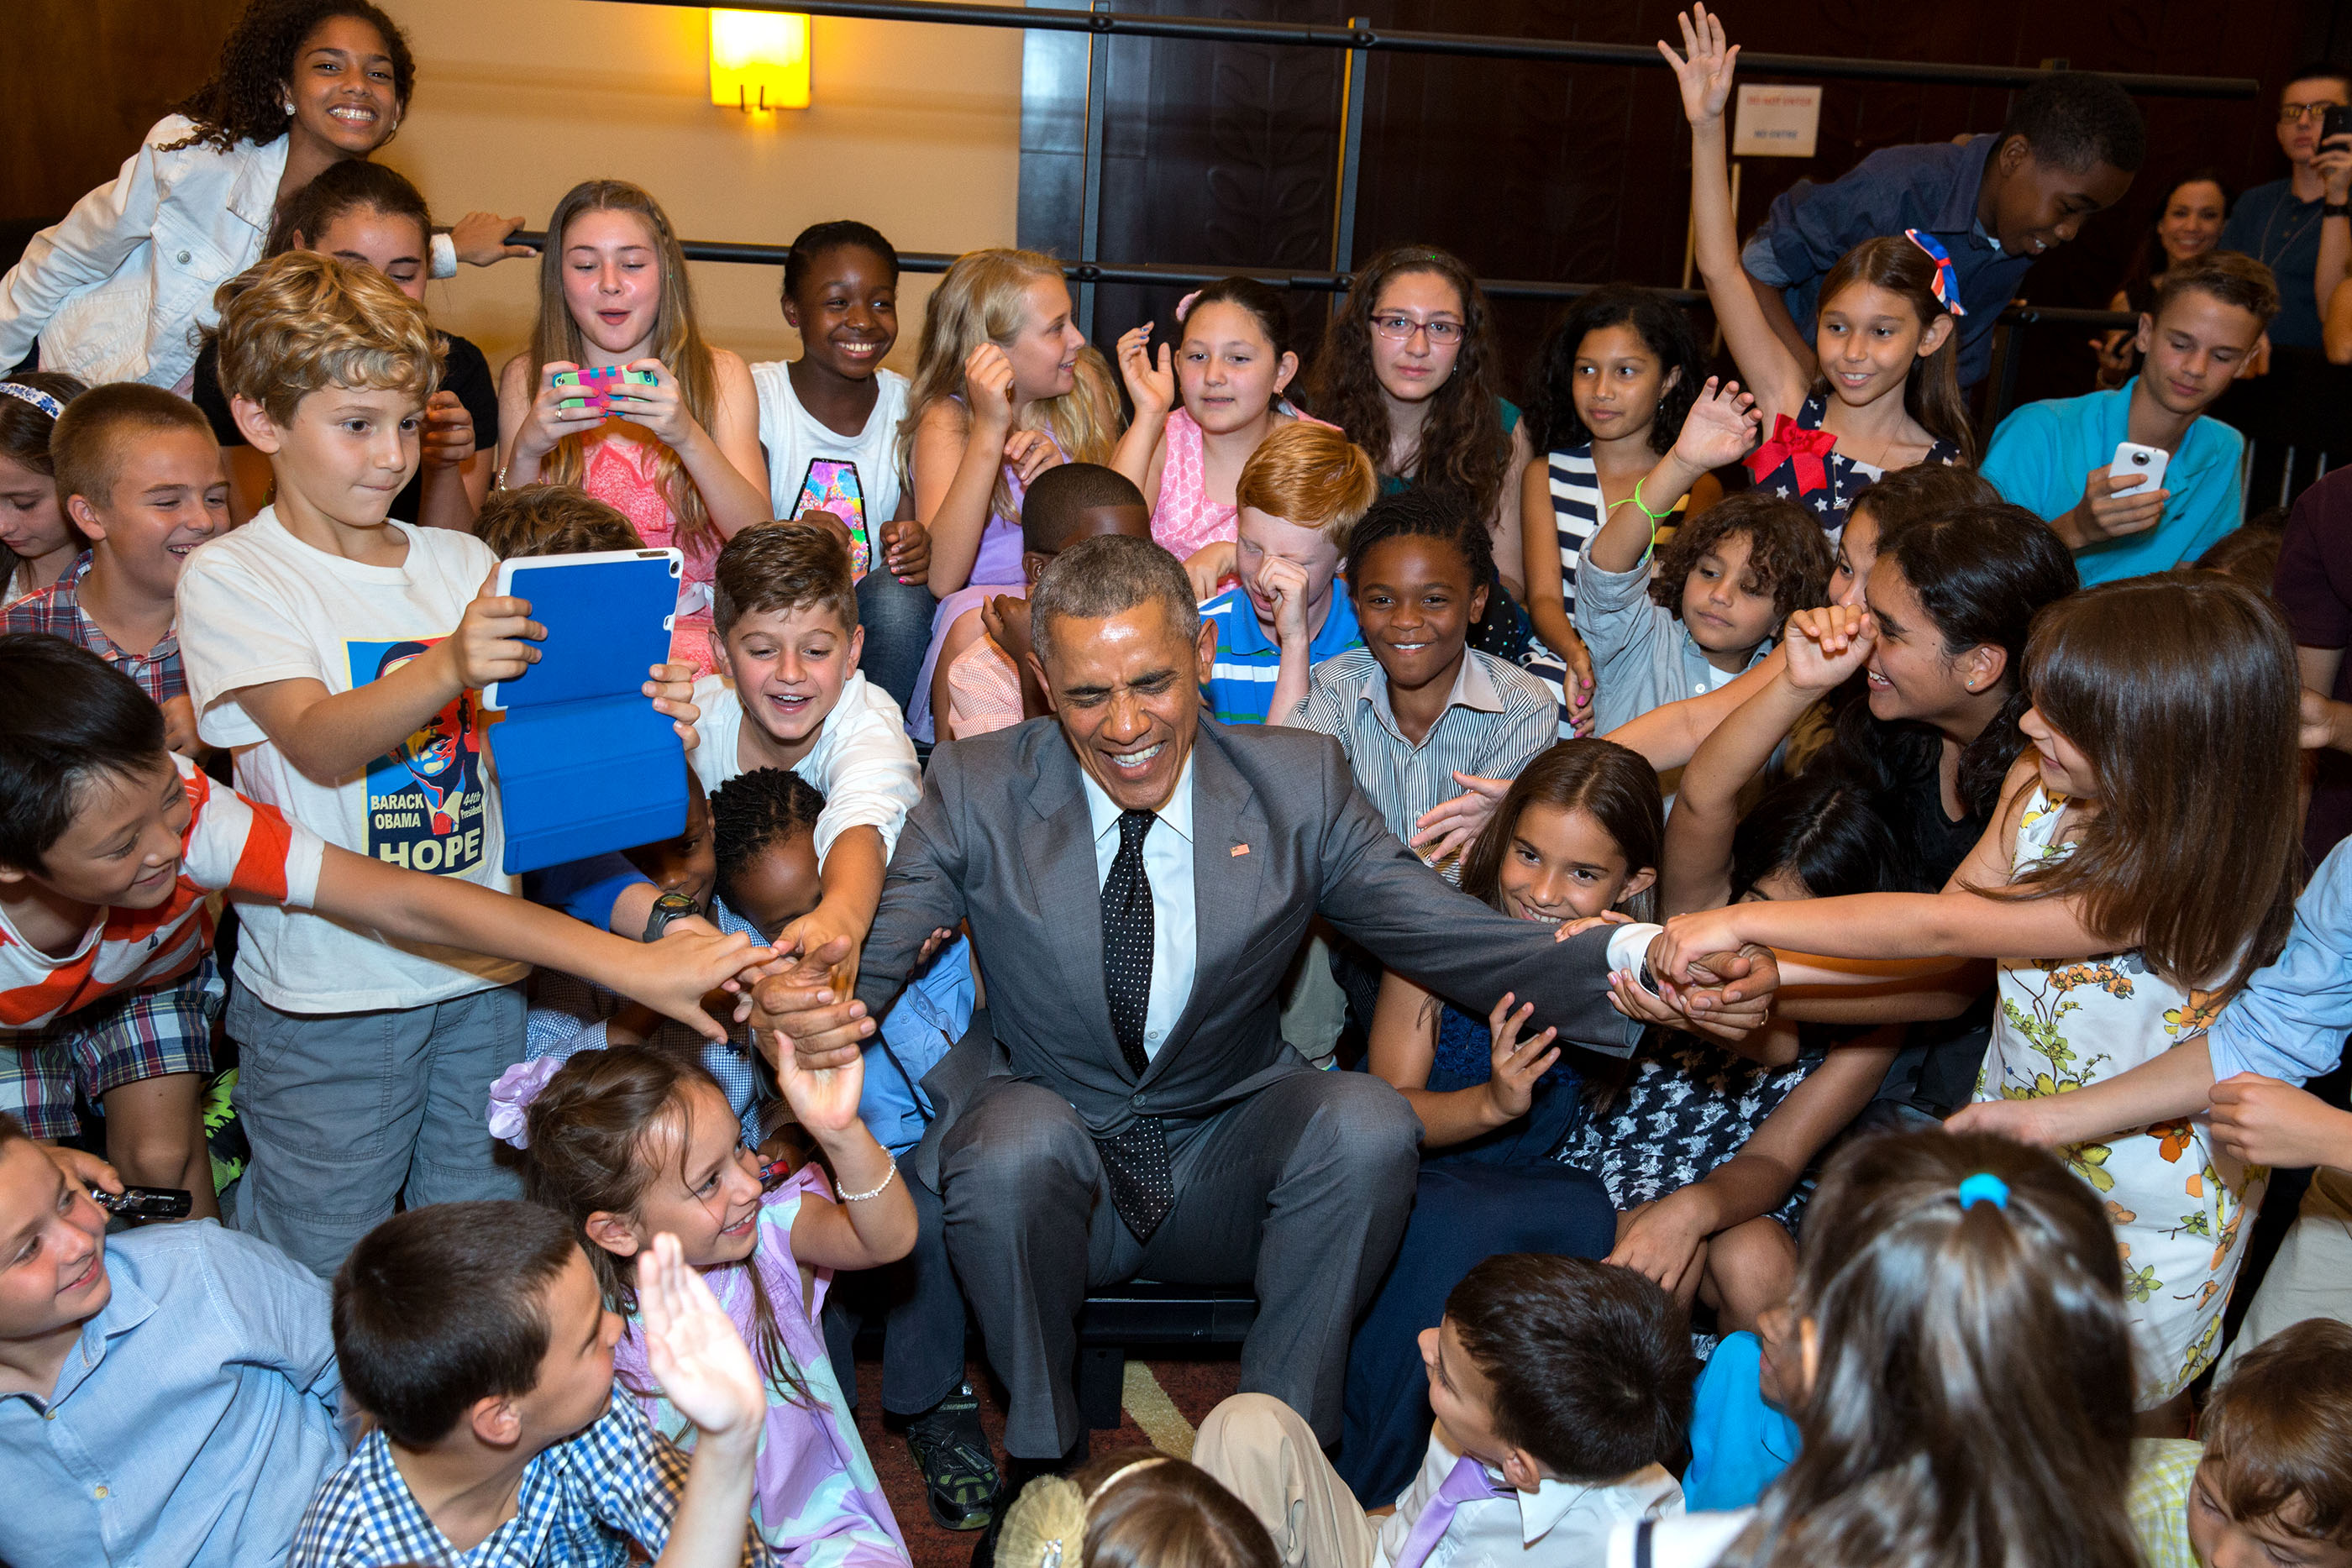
(959, 1476)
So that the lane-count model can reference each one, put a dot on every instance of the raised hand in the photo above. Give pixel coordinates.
(1447, 828)
(1720, 428)
(800, 1012)
(691, 1346)
(674, 974)
(1704, 68)
(1514, 1064)
(1828, 645)
(1285, 582)
(480, 238)
(1152, 385)
(823, 1099)
(987, 388)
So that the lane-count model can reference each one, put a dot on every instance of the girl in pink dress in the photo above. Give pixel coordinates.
(1229, 369)
(680, 457)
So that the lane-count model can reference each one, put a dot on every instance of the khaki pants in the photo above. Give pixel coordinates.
(2312, 1275)
(1261, 1451)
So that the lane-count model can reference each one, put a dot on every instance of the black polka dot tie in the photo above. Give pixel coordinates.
(1141, 1188)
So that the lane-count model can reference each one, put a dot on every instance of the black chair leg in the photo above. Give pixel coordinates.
(1102, 1376)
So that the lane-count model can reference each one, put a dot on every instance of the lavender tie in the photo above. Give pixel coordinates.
(1466, 1482)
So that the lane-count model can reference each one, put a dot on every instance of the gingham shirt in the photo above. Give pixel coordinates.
(580, 1505)
(1497, 718)
(56, 611)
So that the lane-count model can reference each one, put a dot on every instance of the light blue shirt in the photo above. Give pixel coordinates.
(1168, 867)
(191, 1421)
(2042, 457)
(2290, 1020)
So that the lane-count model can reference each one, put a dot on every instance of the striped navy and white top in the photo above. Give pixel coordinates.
(1499, 717)
(1575, 512)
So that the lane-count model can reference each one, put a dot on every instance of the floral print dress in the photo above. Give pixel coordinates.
(2181, 1208)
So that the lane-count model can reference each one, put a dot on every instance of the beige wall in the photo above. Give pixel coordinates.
(913, 128)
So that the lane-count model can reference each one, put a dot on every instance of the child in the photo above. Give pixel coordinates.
(40, 542)
(1417, 703)
(1006, 387)
(1231, 365)
(829, 426)
(1886, 393)
(1722, 586)
(1994, 204)
(300, 84)
(340, 653)
(1576, 837)
(785, 635)
(628, 1143)
(2210, 317)
(1411, 371)
(680, 457)
(1562, 1386)
(140, 474)
(1300, 495)
(989, 686)
(1618, 375)
(2272, 1479)
(1962, 1375)
(368, 215)
(477, 1336)
(141, 1372)
(1133, 1506)
(107, 856)
(553, 520)
(2146, 847)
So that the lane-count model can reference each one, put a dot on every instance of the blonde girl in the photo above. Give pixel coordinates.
(1006, 387)
(680, 457)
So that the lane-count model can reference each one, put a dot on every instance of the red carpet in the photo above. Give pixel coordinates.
(1193, 1386)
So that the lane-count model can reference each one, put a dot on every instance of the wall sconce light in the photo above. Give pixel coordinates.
(759, 60)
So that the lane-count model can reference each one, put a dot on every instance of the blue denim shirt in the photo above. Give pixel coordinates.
(2291, 1019)
(193, 1421)
(1932, 187)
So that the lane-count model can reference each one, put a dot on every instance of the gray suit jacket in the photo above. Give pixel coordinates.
(1001, 837)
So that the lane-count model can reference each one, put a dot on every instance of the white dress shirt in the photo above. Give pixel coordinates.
(1560, 1524)
(1168, 867)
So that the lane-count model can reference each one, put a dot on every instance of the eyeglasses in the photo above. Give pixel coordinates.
(2295, 113)
(1400, 328)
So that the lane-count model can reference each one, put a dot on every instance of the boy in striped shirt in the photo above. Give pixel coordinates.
(1299, 494)
(113, 849)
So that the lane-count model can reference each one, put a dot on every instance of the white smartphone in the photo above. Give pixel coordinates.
(2145, 464)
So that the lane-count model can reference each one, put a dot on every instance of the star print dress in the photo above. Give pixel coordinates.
(1825, 482)
(2183, 1209)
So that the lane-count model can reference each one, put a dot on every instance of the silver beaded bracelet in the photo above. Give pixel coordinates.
(877, 1192)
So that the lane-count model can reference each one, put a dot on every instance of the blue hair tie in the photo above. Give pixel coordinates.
(1983, 1187)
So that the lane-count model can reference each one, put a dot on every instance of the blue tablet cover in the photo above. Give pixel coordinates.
(585, 764)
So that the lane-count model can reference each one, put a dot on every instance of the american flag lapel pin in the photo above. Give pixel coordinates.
(1240, 850)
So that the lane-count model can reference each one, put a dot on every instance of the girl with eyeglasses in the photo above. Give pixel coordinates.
(1409, 371)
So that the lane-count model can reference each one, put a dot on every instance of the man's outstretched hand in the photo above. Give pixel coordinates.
(1730, 995)
(804, 1009)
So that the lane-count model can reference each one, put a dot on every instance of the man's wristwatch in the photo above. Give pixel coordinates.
(669, 907)
(2335, 209)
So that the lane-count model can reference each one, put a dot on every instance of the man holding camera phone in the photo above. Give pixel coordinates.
(2139, 479)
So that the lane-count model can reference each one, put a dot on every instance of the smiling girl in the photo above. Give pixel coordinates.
(2145, 855)
(1229, 369)
(680, 457)
(631, 1143)
(1577, 838)
(1006, 387)
(112, 292)
(1889, 395)
(2187, 224)
(368, 215)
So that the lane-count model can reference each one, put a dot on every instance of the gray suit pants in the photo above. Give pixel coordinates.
(1301, 1190)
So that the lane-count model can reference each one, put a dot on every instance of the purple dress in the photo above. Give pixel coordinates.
(996, 570)
(815, 1497)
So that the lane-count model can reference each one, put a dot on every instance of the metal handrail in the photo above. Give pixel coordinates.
(1565, 51)
(927, 261)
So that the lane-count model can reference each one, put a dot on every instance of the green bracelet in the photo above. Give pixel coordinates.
(1655, 518)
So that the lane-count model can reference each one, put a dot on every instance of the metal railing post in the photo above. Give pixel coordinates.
(1351, 145)
(1090, 214)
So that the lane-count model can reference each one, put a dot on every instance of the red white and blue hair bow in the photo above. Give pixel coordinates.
(1946, 286)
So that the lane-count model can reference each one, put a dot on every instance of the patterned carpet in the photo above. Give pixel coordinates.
(1163, 1401)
